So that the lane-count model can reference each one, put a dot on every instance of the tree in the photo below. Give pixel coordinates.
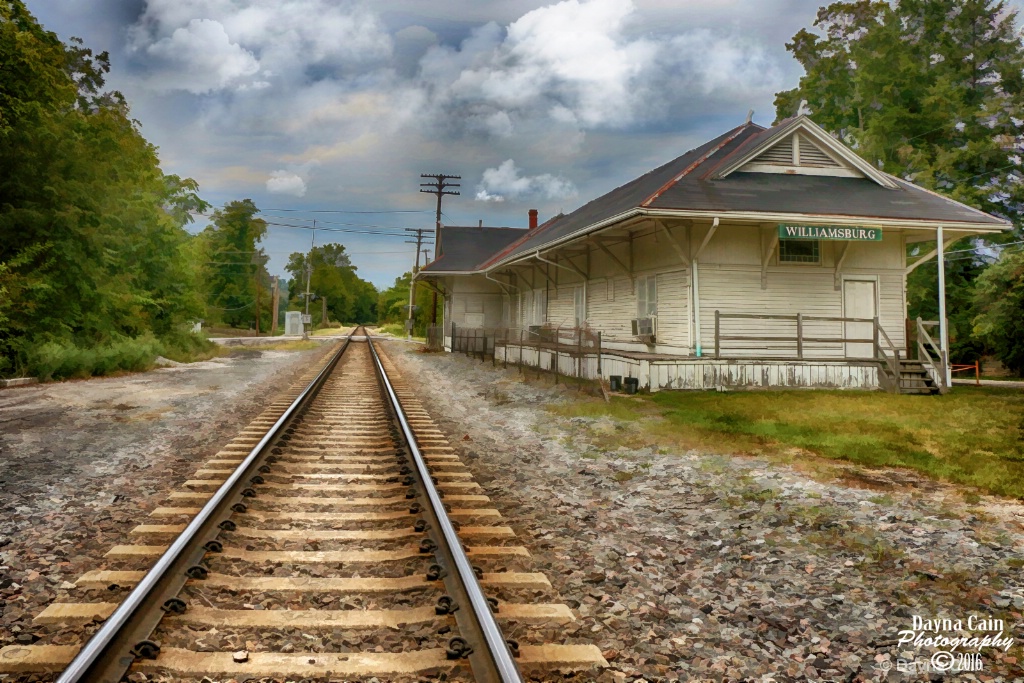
(393, 302)
(1000, 303)
(91, 231)
(931, 91)
(234, 268)
(349, 297)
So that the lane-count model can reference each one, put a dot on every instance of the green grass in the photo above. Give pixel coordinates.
(972, 436)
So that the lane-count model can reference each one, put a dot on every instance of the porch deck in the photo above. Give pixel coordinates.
(576, 352)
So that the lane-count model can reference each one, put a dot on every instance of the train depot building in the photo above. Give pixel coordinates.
(767, 257)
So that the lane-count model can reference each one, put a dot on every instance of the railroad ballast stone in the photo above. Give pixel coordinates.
(84, 462)
(703, 566)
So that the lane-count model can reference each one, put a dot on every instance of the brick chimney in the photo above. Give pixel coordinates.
(533, 219)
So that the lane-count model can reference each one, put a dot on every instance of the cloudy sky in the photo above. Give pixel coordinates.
(336, 107)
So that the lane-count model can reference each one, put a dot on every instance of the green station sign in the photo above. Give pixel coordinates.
(789, 231)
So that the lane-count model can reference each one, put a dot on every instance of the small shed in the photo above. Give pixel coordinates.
(765, 257)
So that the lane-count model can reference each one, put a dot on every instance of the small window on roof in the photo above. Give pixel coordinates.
(799, 251)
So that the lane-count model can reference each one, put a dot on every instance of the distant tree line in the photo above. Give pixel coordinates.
(932, 91)
(97, 270)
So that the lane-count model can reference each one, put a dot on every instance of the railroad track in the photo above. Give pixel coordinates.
(338, 537)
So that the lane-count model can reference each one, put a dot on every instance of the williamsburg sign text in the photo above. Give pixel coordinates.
(828, 232)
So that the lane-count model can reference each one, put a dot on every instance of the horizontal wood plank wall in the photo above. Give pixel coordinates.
(561, 311)
(474, 302)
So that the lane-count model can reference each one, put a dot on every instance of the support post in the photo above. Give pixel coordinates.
(800, 336)
(273, 322)
(943, 322)
(875, 340)
(520, 350)
(718, 333)
(599, 374)
(696, 307)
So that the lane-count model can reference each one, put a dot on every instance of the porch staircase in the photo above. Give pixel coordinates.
(915, 378)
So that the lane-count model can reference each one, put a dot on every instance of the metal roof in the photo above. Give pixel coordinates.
(465, 248)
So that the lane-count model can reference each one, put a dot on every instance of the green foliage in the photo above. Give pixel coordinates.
(92, 237)
(333, 277)
(999, 296)
(391, 306)
(61, 360)
(923, 301)
(932, 91)
(233, 268)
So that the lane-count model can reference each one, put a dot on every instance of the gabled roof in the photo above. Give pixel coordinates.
(759, 145)
(465, 248)
(710, 180)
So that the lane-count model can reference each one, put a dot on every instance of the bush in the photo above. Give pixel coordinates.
(186, 347)
(65, 359)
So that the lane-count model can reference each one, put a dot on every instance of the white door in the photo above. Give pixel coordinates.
(859, 302)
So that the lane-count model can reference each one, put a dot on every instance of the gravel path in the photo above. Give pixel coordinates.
(692, 565)
(82, 462)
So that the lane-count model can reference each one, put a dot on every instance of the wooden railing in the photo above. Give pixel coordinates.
(883, 350)
(930, 353)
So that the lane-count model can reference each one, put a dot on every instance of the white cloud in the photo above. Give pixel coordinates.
(202, 46)
(506, 182)
(286, 182)
(581, 64)
(200, 57)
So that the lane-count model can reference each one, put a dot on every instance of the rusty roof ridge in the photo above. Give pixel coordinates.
(700, 160)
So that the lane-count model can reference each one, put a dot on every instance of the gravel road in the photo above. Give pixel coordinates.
(702, 566)
(82, 462)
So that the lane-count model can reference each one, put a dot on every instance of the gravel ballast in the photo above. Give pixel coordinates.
(704, 566)
(83, 462)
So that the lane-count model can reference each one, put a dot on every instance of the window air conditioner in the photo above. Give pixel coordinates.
(645, 329)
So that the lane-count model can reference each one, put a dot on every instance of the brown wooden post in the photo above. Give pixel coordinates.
(579, 353)
(599, 356)
(558, 332)
(878, 346)
(520, 350)
(718, 330)
(907, 334)
(800, 336)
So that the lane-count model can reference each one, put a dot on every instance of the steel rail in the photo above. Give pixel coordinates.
(84, 667)
(497, 648)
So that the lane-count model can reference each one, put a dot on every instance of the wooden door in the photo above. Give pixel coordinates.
(859, 301)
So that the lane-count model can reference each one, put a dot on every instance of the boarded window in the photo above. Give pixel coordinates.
(646, 296)
(799, 251)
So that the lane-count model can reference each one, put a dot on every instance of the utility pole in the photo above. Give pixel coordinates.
(412, 282)
(276, 295)
(439, 187)
(257, 301)
(309, 274)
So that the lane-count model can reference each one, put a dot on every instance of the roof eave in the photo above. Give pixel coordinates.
(833, 219)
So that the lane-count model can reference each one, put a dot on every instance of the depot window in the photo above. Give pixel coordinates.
(799, 251)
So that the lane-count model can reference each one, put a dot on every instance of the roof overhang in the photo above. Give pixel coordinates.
(753, 217)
